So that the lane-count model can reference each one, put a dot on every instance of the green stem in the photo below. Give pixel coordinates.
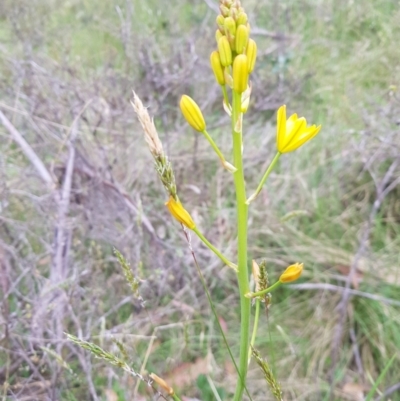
(214, 146)
(255, 326)
(243, 274)
(214, 249)
(226, 164)
(265, 176)
(175, 397)
(262, 292)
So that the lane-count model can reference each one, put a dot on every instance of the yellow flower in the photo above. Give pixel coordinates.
(192, 113)
(293, 132)
(180, 213)
(292, 273)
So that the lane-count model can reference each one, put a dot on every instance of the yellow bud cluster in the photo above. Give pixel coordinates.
(234, 43)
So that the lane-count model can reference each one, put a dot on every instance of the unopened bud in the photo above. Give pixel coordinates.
(291, 273)
(225, 52)
(220, 21)
(218, 35)
(240, 73)
(242, 38)
(242, 19)
(251, 53)
(192, 113)
(230, 26)
(224, 10)
(217, 68)
(234, 13)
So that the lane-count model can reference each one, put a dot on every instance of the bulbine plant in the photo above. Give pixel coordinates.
(232, 63)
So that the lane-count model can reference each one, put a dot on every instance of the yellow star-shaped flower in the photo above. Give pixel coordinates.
(292, 132)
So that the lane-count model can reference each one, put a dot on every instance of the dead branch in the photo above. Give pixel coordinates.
(28, 151)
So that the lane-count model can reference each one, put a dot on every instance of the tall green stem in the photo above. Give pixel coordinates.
(243, 274)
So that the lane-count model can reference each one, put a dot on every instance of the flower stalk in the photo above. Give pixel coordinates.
(215, 250)
(243, 274)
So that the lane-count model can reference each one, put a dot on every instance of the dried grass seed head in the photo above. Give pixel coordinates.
(150, 132)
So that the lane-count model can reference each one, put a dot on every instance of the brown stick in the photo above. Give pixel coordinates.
(28, 151)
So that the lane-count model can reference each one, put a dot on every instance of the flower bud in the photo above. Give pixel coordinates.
(225, 52)
(292, 273)
(242, 38)
(251, 53)
(230, 26)
(218, 35)
(233, 12)
(217, 68)
(224, 10)
(240, 73)
(220, 21)
(192, 113)
(242, 19)
(180, 213)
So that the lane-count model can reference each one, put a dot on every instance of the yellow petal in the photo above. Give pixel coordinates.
(304, 137)
(296, 129)
(281, 127)
(180, 213)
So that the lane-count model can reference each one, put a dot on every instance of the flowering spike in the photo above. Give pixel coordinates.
(217, 68)
(242, 38)
(240, 73)
(292, 273)
(225, 52)
(180, 213)
(292, 132)
(251, 53)
(192, 113)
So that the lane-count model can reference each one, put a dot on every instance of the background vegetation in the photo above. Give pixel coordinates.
(66, 74)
